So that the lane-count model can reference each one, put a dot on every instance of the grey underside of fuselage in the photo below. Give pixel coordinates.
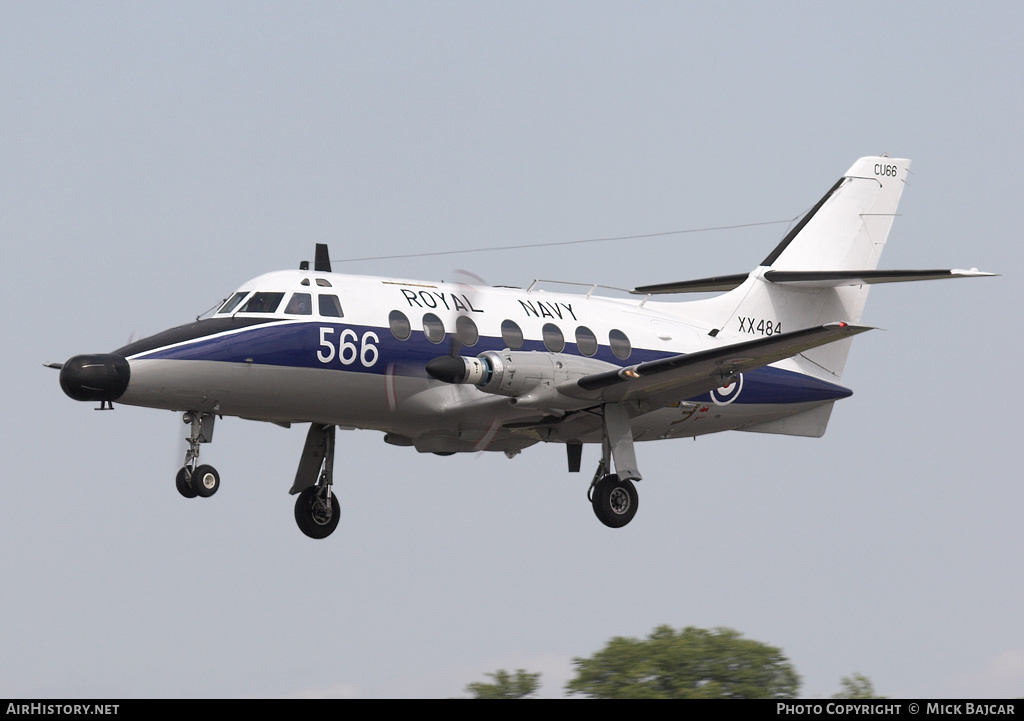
(414, 411)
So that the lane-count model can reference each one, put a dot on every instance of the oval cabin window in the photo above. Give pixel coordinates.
(586, 341)
(554, 341)
(620, 344)
(465, 331)
(511, 334)
(399, 323)
(433, 328)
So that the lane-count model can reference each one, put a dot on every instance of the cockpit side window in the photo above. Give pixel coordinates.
(262, 302)
(330, 306)
(231, 303)
(300, 304)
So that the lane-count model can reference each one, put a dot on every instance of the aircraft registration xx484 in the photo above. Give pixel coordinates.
(452, 368)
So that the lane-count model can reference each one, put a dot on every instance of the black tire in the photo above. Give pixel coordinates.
(205, 481)
(183, 482)
(312, 515)
(615, 502)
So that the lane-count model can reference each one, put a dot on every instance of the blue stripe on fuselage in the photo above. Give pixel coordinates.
(297, 345)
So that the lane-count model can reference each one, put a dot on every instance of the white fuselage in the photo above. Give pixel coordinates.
(311, 346)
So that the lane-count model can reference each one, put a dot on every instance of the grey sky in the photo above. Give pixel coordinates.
(155, 156)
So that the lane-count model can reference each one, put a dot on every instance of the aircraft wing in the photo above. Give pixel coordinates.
(685, 376)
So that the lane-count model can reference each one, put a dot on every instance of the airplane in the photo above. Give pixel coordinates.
(459, 368)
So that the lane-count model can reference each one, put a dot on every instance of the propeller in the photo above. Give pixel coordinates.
(465, 329)
(399, 385)
(450, 367)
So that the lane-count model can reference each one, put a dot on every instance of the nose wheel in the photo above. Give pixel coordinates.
(183, 482)
(203, 481)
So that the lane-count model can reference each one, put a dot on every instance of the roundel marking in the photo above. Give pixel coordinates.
(727, 394)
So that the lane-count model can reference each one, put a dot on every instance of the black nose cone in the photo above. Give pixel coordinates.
(102, 377)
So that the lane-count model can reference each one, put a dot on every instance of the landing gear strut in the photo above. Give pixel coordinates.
(613, 495)
(194, 479)
(317, 510)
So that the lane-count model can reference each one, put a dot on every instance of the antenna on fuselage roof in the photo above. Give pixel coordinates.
(322, 262)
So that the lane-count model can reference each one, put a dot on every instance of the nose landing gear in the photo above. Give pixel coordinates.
(194, 479)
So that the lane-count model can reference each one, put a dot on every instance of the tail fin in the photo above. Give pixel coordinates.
(845, 230)
(848, 227)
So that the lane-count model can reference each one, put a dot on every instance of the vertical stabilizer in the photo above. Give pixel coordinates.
(846, 230)
(848, 227)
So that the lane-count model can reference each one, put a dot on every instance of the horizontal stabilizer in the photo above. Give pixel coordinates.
(716, 284)
(807, 279)
(836, 278)
(691, 374)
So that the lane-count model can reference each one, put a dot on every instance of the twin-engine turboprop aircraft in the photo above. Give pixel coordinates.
(453, 368)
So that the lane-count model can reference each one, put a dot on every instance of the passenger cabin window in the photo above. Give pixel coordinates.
(330, 306)
(231, 303)
(465, 330)
(554, 341)
(433, 328)
(620, 344)
(262, 302)
(400, 327)
(511, 334)
(586, 341)
(300, 304)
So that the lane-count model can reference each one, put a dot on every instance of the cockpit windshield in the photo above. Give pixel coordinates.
(299, 303)
(262, 302)
(231, 303)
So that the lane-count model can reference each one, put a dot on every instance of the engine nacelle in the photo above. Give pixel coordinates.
(516, 374)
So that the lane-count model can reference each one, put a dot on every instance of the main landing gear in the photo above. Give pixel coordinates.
(613, 495)
(317, 510)
(194, 479)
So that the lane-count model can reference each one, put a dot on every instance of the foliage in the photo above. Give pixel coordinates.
(506, 685)
(692, 663)
(856, 686)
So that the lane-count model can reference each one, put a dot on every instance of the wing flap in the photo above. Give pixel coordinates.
(689, 375)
